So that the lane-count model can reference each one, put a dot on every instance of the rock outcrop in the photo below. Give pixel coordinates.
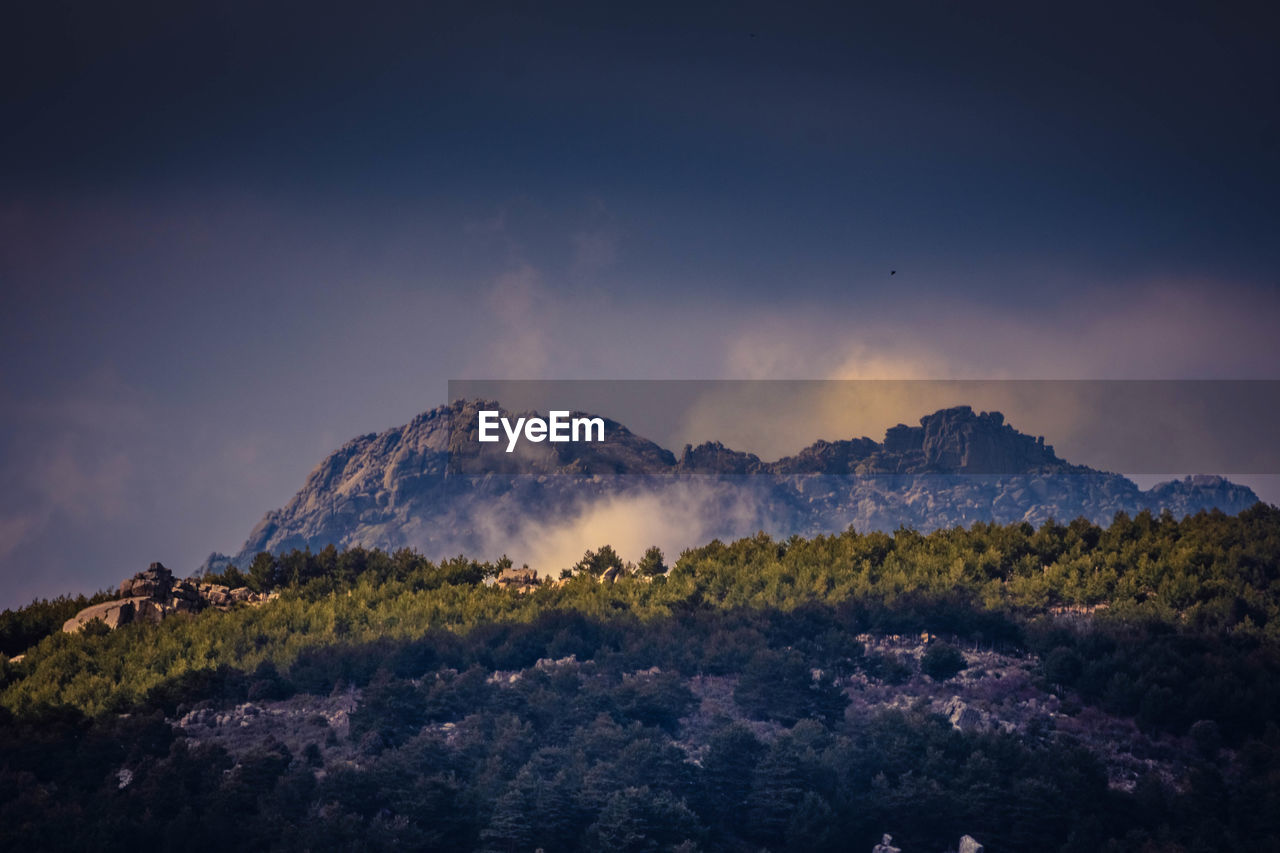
(520, 580)
(966, 717)
(112, 613)
(428, 485)
(886, 845)
(151, 595)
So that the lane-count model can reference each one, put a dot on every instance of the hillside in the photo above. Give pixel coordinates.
(1064, 688)
(1051, 687)
(423, 486)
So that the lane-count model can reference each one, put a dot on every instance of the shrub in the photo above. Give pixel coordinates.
(942, 661)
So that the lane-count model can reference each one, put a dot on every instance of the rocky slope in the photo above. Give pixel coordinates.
(430, 485)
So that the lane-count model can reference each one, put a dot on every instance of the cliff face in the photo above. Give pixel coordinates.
(429, 485)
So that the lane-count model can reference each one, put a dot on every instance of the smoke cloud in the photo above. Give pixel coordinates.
(673, 516)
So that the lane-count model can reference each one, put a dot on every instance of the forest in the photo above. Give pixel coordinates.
(585, 715)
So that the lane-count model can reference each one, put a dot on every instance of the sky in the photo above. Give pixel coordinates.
(235, 235)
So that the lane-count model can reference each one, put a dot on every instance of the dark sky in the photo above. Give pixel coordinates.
(232, 237)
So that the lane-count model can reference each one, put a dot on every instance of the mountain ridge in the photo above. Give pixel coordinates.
(429, 484)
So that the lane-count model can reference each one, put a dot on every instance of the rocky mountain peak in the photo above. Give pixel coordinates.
(957, 439)
(431, 484)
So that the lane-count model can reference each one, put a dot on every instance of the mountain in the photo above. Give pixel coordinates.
(431, 486)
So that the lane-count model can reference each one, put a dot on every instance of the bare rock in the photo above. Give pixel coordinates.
(521, 580)
(886, 845)
(215, 594)
(966, 718)
(156, 582)
(112, 613)
(149, 610)
(152, 595)
(712, 457)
